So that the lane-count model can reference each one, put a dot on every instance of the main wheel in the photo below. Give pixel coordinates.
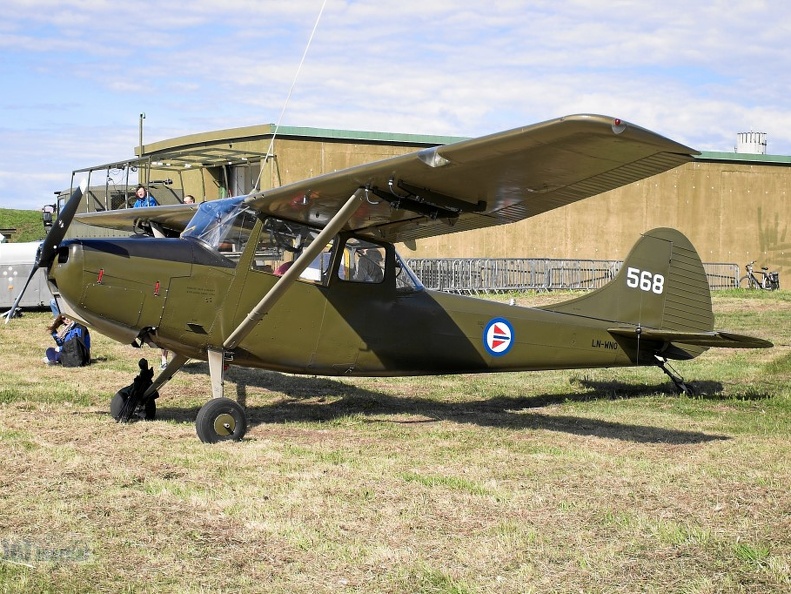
(118, 402)
(746, 282)
(221, 419)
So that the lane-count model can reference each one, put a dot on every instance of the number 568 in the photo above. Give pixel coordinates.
(645, 280)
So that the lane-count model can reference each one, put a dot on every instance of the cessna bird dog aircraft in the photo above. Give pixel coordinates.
(305, 279)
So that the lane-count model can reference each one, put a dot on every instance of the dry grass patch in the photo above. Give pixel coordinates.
(592, 481)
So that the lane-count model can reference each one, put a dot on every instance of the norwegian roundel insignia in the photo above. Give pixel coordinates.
(498, 337)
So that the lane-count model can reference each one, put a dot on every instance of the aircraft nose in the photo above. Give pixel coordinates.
(66, 270)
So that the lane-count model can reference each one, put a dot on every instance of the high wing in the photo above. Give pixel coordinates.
(492, 180)
(487, 181)
(705, 339)
(172, 218)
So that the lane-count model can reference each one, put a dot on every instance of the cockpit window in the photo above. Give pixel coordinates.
(226, 225)
(367, 262)
(363, 262)
(281, 243)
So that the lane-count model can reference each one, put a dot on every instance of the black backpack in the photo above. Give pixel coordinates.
(74, 353)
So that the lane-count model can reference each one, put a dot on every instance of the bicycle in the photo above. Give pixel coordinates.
(769, 281)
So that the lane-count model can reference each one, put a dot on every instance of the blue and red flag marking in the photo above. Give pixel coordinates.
(498, 337)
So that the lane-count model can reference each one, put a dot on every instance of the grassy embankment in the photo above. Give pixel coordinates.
(26, 222)
(576, 481)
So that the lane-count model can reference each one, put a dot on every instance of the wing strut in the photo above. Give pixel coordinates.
(292, 274)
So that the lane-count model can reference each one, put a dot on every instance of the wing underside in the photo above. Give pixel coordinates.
(172, 218)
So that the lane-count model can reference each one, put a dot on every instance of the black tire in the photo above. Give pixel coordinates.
(119, 400)
(117, 405)
(746, 282)
(221, 419)
(151, 408)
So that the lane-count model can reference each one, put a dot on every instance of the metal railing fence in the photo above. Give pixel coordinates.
(502, 275)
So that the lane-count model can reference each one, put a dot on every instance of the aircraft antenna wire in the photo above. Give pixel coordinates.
(269, 151)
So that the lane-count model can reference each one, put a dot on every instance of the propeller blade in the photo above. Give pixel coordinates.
(58, 231)
(49, 247)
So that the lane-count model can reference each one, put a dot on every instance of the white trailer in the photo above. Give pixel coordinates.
(16, 262)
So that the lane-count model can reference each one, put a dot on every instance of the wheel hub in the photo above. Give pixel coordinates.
(224, 424)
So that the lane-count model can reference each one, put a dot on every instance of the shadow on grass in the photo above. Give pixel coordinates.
(320, 399)
(704, 390)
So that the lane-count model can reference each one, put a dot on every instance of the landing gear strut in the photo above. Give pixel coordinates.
(681, 386)
(220, 419)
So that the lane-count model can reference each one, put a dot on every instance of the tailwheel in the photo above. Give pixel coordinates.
(681, 386)
(221, 419)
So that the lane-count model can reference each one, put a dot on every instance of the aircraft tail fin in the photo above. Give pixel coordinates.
(660, 296)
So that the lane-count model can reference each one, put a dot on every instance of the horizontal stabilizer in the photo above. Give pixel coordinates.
(704, 339)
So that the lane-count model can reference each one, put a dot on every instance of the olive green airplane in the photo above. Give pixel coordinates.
(305, 278)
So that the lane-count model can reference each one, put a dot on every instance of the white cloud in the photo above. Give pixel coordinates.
(697, 72)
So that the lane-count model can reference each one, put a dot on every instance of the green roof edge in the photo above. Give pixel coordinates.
(743, 158)
(364, 135)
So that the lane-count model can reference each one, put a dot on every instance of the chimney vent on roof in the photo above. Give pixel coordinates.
(751, 142)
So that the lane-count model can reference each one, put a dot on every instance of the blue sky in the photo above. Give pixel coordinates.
(77, 74)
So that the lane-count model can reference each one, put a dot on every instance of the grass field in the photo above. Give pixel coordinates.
(577, 481)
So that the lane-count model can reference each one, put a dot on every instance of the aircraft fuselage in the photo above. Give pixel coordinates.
(188, 298)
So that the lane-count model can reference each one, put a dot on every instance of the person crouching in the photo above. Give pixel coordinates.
(73, 343)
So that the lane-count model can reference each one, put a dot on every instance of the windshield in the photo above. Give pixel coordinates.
(220, 221)
(406, 280)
